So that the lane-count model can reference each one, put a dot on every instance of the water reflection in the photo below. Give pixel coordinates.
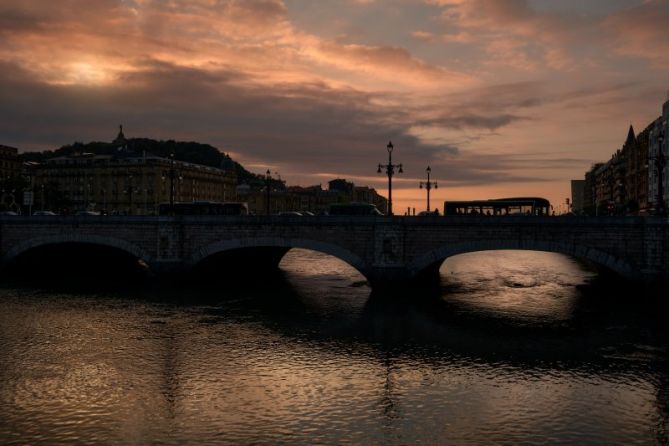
(520, 354)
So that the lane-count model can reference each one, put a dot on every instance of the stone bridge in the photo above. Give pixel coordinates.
(386, 250)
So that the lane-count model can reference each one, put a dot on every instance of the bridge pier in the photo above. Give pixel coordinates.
(400, 280)
(388, 279)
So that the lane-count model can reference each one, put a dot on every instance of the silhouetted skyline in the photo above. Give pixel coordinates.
(500, 98)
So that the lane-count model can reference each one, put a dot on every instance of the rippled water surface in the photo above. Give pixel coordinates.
(513, 347)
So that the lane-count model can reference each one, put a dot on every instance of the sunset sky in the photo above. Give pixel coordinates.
(499, 97)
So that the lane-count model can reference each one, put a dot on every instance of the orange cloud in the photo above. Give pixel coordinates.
(455, 84)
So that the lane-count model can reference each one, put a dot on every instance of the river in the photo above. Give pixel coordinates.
(513, 347)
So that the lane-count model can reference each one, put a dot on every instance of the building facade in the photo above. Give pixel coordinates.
(10, 166)
(12, 182)
(125, 182)
(637, 174)
(577, 196)
(590, 190)
(312, 199)
(621, 185)
(657, 142)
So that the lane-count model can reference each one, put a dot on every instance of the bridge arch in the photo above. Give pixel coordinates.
(277, 242)
(435, 257)
(111, 242)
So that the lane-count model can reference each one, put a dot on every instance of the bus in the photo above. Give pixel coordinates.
(204, 208)
(501, 206)
(353, 209)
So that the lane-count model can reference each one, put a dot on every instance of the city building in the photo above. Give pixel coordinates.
(342, 186)
(125, 182)
(620, 186)
(590, 190)
(312, 199)
(577, 196)
(636, 174)
(657, 141)
(10, 166)
(365, 194)
(11, 181)
(604, 188)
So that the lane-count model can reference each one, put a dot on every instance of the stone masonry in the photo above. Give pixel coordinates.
(386, 250)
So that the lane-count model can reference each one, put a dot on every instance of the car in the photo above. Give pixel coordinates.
(7, 213)
(43, 213)
(89, 213)
(289, 214)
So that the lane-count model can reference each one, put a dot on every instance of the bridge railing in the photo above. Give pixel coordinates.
(333, 219)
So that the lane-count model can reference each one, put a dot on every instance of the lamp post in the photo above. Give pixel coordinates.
(660, 163)
(428, 185)
(390, 171)
(268, 179)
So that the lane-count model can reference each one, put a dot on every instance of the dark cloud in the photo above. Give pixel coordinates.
(480, 169)
(304, 129)
(308, 124)
(37, 15)
(490, 122)
(496, 106)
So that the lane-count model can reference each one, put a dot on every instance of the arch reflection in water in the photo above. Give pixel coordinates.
(520, 284)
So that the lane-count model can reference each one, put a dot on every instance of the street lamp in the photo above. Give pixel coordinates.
(268, 179)
(660, 163)
(428, 186)
(390, 171)
(172, 175)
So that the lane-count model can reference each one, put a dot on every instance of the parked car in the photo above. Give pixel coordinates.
(91, 213)
(43, 213)
(8, 213)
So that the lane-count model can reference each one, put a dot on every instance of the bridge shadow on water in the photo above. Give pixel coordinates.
(604, 328)
(78, 267)
(607, 321)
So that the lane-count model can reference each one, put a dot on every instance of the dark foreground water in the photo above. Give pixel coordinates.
(511, 349)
